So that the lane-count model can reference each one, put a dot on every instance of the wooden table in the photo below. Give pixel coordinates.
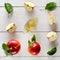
(20, 17)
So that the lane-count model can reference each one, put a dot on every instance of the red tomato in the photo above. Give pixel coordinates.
(14, 46)
(35, 48)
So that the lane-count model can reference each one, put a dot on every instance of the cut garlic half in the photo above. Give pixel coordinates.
(52, 36)
(11, 28)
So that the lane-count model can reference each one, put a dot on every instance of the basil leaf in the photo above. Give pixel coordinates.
(5, 47)
(50, 6)
(52, 51)
(8, 7)
(8, 54)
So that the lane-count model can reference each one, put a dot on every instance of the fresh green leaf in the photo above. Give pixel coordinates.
(52, 51)
(50, 6)
(5, 47)
(29, 44)
(8, 7)
(33, 38)
(8, 54)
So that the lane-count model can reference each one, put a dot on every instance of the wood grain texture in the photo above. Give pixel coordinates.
(20, 17)
(30, 58)
(21, 2)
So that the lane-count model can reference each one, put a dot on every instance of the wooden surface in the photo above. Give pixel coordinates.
(20, 17)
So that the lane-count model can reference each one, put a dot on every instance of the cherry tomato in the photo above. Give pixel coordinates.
(35, 48)
(14, 46)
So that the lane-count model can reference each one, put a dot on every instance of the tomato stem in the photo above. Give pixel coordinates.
(33, 38)
(29, 44)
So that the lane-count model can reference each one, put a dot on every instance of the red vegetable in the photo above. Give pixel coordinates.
(33, 46)
(14, 46)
